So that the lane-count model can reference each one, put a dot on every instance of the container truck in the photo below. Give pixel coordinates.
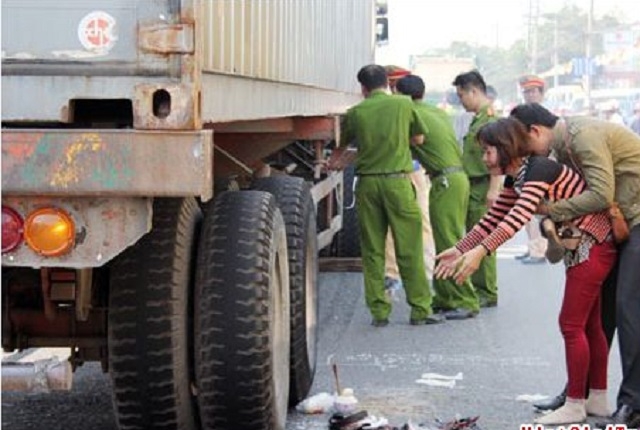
(163, 202)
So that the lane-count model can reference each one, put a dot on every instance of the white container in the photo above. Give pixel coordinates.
(346, 403)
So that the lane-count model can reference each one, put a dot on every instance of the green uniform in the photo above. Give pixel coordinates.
(441, 157)
(381, 126)
(485, 279)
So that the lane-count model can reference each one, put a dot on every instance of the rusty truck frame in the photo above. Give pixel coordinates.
(163, 199)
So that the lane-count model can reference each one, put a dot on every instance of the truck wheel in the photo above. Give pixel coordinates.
(149, 330)
(294, 199)
(348, 240)
(242, 314)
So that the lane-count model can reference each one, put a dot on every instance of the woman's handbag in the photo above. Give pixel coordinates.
(560, 237)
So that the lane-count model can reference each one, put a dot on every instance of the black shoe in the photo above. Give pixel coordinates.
(533, 260)
(460, 314)
(342, 422)
(624, 415)
(553, 403)
(522, 256)
(431, 319)
(488, 303)
(380, 323)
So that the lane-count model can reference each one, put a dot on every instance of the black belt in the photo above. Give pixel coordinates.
(446, 171)
(387, 175)
(478, 179)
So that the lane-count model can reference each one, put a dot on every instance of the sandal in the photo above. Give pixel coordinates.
(346, 422)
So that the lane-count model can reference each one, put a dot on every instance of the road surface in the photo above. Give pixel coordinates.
(506, 354)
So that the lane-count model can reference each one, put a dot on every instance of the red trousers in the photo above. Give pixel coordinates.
(580, 323)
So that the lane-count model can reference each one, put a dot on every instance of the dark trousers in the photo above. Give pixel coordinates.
(608, 299)
(628, 319)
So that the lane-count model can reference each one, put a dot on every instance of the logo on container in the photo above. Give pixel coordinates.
(97, 32)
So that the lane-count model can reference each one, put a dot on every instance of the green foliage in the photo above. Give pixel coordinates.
(572, 25)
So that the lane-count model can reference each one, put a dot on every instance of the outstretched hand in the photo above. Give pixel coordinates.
(453, 264)
(469, 263)
(446, 263)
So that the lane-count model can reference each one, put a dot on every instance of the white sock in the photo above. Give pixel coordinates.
(573, 412)
(597, 403)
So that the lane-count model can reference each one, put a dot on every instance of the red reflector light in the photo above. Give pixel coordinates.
(12, 228)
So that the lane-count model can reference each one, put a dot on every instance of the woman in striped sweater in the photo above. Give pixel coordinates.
(530, 179)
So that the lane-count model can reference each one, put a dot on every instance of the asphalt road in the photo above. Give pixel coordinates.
(506, 352)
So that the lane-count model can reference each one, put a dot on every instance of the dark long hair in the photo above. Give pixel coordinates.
(510, 138)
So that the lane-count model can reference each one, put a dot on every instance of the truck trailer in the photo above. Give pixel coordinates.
(163, 201)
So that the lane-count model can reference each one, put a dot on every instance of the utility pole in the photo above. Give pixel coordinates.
(587, 80)
(555, 51)
(534, 50)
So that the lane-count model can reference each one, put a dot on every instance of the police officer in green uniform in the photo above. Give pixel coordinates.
(441, 157)
(383, 127)
(485, 188)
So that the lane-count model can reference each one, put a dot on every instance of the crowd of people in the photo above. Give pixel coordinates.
(564, 177)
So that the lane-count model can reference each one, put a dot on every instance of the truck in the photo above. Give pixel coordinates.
(163, 197)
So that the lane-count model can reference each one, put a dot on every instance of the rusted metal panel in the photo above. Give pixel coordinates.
(30, 328)
(177, 111)
(107, 162)
(275, 125)
(250, 147)
(104, 228)
(167, 38)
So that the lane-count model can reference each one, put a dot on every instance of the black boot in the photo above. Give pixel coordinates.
(553, 403)
(623, 415)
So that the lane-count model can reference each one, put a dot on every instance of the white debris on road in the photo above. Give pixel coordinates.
(438, 380)
(531, 398)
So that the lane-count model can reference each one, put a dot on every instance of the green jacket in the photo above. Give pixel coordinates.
(472, 152)
(381, 126)
(440, 149)
(609, 157)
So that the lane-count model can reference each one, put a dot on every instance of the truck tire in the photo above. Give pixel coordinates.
(348, 240)
(294, 199)
(242, 314)
(149, 330)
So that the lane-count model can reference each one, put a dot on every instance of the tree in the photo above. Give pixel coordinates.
(502, 67)
(572, 35)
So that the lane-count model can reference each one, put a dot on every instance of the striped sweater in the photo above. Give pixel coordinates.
(539, 178)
